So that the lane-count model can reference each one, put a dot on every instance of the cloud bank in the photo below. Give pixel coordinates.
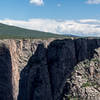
(41, 2)
(93, 2)
(37, 2)
(84, 27)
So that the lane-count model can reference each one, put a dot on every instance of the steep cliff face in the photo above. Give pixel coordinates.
(5, 74)
(51, 69)
(19, 52)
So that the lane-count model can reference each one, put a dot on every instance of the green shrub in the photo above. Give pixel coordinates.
(87, 84)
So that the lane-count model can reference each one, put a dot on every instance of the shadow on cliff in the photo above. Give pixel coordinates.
(44, 77)
(5, 74)
(34, 80)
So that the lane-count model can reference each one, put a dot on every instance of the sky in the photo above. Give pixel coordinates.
(76, 17)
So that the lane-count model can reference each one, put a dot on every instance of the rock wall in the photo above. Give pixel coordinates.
(5, 74)
(52, 69)
(19, 52)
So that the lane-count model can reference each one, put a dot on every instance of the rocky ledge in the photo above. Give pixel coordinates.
(62, 69)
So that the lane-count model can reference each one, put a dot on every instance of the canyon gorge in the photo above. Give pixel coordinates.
(50, 69)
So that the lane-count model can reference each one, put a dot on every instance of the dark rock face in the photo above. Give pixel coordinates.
(5, 74)
(35, 82)
(61, 61)
(47, 73)
(81, 83)
(85, 48)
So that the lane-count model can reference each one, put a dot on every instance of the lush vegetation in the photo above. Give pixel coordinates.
(7, 32)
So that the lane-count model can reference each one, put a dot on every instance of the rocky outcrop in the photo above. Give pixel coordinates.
(63, 69)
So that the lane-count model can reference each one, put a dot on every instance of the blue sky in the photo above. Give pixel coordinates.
(64, 14)
(68, 9)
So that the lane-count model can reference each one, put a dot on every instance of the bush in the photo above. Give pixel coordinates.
(87, 84)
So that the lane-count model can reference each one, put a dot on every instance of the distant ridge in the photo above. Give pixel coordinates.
(13, 32)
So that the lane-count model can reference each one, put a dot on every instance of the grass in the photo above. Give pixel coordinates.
(87, 84)
(12, 32)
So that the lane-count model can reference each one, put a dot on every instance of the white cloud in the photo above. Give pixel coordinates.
(86, 27)
(93, 2)
(58, 5)
(37, 2)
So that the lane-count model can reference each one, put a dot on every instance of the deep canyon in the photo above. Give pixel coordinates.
(51, 69)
